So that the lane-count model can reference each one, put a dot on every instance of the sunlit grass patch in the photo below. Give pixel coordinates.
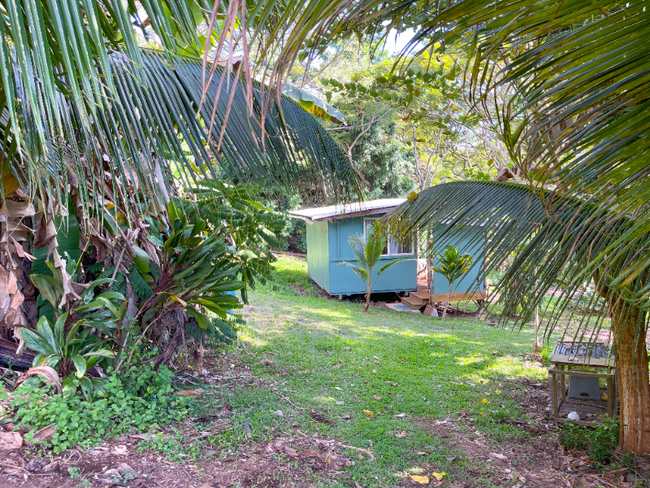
(377, 379)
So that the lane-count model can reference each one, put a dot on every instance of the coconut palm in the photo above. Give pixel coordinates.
(577, 132)
(562, 241)
(452, 265)
(367, 250)
(88, 114)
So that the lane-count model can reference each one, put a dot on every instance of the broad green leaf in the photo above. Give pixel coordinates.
(80, 365)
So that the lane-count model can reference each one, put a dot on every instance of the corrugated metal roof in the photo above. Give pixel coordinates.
(355, 209)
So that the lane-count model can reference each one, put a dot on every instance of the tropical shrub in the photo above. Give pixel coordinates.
(188, 286)
(80, 338)
(452, 265)
(70, 352)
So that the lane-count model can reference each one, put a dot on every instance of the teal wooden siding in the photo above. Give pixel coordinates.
(472, 244)
(317, 254)
(327, 246)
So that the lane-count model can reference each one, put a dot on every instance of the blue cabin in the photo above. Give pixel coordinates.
(328, 231)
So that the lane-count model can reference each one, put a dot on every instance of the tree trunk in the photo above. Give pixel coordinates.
(537, 346)
(444, 311)
(368, 293)
(632, 375)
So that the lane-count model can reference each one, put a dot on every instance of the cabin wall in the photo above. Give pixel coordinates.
(474, 245)
(343, 281)
(317, 254)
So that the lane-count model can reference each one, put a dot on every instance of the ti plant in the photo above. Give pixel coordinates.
(452, 265)
(367, 251)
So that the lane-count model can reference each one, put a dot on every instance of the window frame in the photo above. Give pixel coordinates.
(389, 241)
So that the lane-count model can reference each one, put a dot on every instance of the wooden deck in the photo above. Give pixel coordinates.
(421, 298)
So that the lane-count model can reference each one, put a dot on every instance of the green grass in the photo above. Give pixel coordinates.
(329, 356)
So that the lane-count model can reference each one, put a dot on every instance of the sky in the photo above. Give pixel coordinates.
(394, 44)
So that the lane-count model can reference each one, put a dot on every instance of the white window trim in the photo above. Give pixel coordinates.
(388, 244)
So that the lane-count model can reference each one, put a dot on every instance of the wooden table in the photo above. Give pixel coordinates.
(594, 360)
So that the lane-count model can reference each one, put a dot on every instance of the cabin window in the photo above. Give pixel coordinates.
(395, 246)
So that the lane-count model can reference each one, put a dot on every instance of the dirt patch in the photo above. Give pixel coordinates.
(536, 460)
(301, 291)
(288, 462)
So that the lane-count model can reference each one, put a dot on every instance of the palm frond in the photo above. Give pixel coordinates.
(146, 130)
(581, 115)
(358, 245)
(389, 264)
(550, 238)
(359, 270)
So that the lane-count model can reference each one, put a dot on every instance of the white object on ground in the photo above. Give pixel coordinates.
(573, 416)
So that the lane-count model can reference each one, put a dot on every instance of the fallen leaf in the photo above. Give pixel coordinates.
(120, 450)
(276, 446)
(44, 434)
(337, 462)
(499, 456)
(423, 480)
(191, 393)
(310, 453)
(438, 476)
(369, 413)
(47, 373)
(144, 437)
(290, 452)
(52, 467)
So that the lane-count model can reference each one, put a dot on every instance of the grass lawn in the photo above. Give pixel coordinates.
(319, 394)
(412, 390)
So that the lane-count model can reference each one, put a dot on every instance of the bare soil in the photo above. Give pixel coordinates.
(294, 459)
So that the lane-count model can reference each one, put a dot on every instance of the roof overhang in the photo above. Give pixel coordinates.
(356, 209)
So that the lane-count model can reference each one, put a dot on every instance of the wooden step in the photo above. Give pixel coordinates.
(422, 295)
(413, 302)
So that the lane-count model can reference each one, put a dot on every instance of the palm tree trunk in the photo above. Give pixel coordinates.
(444, 312)
(368, 293)
(632, 376)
